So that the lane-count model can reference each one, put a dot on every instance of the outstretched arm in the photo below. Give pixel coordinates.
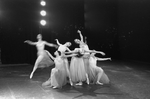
(50, 55)
(94, 51)
(30, 42)
(70, 52)
(81, 36)
(51, 45)
(68, 49)
(100, 52)
(58, 42)
(103, 59)
(69, 55)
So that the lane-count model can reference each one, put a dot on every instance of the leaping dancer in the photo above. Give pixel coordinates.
(43, 59)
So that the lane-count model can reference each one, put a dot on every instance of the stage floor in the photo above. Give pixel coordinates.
(127, 82)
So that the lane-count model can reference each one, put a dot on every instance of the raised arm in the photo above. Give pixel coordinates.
(81, 36)
(51, 45)
(58, 42)
(30, 42)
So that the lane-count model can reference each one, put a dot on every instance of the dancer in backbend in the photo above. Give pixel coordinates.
(63, 48)
(43, 59)
(97, 74)
(86, 54)
(84, 45)
(59, 74)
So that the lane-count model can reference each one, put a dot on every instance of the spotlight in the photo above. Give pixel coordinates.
(43, 3)
(43, 22)
(43, 13)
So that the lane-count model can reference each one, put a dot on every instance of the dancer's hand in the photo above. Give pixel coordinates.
(26, 41)
(78, 31)
(56, 46)
(56, 39)
(109, 59)
(102, 53)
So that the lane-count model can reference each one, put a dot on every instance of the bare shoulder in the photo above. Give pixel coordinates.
(44, 42)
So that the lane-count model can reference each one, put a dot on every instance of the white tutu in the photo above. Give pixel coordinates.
(46, 61)
(77, 69)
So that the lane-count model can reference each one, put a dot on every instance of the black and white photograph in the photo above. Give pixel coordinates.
(74, 49)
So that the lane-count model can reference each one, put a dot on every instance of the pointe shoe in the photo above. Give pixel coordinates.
(31, 76)
(99, 83)
(88, 82)
(80, 83)
(54, 87)
(71, 83)
(87, 79)
(47, 83)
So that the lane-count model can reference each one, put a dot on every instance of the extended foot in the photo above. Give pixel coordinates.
(54, 87)
(80, 83)
(88, 82)
(71, 83)
(99, 83)
(31, 75)
(47, 83)
(87, 79)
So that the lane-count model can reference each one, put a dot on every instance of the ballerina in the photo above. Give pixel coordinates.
(43, 59)
(59, 74)
(97, 74)
(77, 68)
(63, 48)
(86, 54)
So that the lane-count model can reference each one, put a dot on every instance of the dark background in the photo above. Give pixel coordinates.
(120, 28)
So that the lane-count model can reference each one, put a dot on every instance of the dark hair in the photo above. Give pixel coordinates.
(59, 52)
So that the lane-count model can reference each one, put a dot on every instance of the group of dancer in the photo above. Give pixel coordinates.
(82, 67)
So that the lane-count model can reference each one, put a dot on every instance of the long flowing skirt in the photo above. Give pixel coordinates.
(59, 76)
(46, 61)
(94, 73)
(53, 77)
(77, 70)
(66, 63)
(104, 79)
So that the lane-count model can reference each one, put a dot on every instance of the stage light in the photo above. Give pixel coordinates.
(43, 22)
(43, 3)
(43, 13)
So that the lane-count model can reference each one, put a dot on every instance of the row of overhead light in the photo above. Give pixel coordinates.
(43, 13)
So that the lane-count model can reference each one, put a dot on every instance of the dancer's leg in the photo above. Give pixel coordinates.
(36, 65)
(86, 66)
(68, 72)
(100, 73)
(48, 82)
(87, 79)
